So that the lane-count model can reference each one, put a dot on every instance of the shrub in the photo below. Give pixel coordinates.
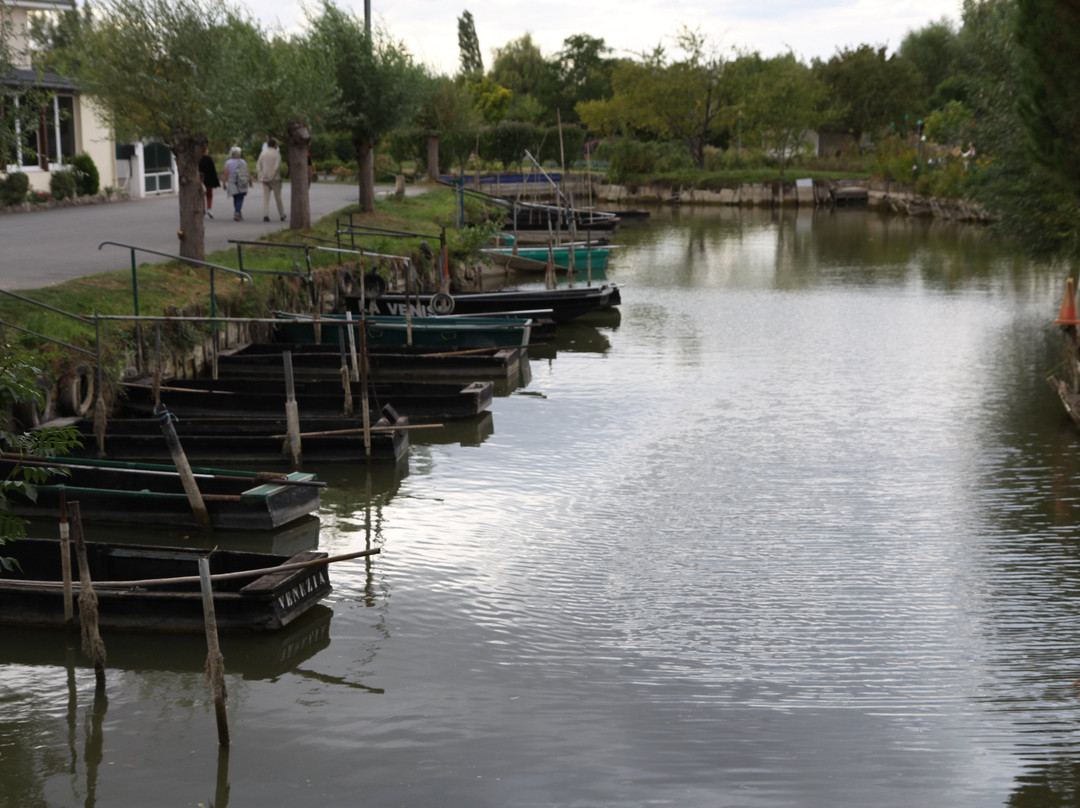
(87, 179)
(62, 184)
(13, 188)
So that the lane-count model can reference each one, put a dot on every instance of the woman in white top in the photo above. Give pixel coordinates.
(237, 180)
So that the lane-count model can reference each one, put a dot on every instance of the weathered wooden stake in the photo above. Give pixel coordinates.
(365, 394)
(352, 347)
(215, 663)
(292, 414)
(187, 478)
(65, 560)
(345, 381)
(92, 644)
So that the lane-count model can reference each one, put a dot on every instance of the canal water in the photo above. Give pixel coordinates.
(799, 527)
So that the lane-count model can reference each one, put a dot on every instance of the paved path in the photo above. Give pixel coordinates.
(46, 247)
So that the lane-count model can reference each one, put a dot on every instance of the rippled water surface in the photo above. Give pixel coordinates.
(798, 528)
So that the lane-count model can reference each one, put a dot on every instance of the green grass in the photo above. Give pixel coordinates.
(175, 287)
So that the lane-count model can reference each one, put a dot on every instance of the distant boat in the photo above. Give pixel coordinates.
(31, 595)
(584, 257)
(153, 494)
(421, 332)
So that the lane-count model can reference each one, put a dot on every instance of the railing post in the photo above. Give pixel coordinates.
(138, 325)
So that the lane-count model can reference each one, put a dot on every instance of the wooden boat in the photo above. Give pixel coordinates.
(31, 595)
(564, 304)
(151, 494)
(231, 396)
(244, 439)
(421, 332)
(583, 256)
(322, 361)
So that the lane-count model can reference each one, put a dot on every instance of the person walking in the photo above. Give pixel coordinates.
(210, 179)
(237, 180)
(269, 169)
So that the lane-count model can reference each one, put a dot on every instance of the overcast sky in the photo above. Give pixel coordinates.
(810, 28)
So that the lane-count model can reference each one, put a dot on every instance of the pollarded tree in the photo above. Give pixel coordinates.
(449, 113)
(174, 71)
(379, 83)
(291, 94)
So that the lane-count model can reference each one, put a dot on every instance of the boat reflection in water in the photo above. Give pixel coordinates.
(32, 656)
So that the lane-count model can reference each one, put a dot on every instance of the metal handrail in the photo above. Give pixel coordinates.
(135, 286)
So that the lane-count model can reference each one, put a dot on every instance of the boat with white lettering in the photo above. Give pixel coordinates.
(143, 588)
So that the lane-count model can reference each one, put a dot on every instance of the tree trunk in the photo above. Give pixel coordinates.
(187, 149)
(299, 140)
(365, 162)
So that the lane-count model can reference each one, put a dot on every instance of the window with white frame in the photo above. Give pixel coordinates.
(49, 141)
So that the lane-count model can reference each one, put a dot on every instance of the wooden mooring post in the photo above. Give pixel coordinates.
(292, 414)
(92, 644)
(215, 662)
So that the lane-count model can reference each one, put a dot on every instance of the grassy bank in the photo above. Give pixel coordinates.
(176, 288)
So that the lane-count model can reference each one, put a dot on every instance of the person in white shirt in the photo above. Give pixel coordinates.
(269, 170)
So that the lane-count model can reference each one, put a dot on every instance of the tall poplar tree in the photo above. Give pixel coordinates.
(472, 63)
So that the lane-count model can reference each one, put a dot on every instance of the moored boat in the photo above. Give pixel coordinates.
(127, 581)
(230, 396)
(249, 439)
(323, 361)
(421, 332)
(153, 494)
(564, 304)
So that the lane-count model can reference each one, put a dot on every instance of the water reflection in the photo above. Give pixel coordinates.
(801, 532)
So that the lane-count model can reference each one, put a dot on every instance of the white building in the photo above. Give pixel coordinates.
(69, 125)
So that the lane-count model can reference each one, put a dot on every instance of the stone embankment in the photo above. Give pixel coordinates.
(801, 193)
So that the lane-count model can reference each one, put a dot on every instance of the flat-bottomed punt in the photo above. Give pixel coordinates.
(153, 494)
(32, 595)
(265, 397)
(421, 332)
(563, 304)
(248, 439)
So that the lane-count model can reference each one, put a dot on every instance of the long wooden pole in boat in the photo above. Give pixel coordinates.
(220, 576)
(352, 347)
(261, 478)
(65, 560)
(187, 478)
(292, 414)
(92, 644)
(215, 663)
(360, 430)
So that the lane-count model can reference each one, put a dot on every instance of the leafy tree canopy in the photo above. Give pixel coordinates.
(872, 91)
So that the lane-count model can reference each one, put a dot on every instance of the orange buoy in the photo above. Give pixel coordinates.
(1067, 315)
